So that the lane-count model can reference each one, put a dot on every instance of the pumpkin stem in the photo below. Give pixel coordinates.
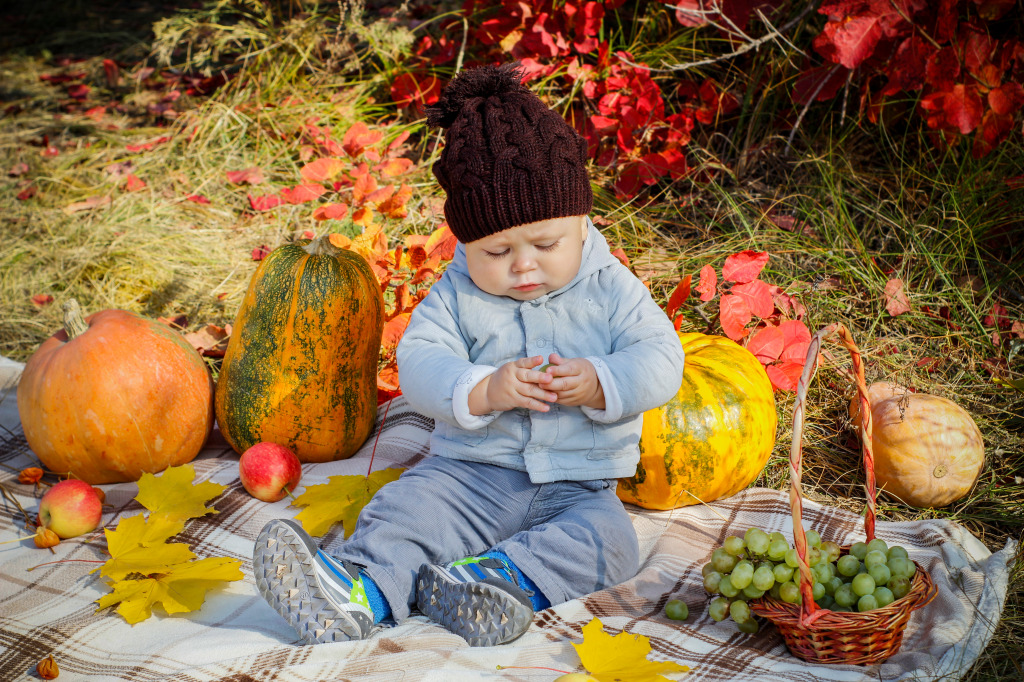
(321, 246)
(74, 323)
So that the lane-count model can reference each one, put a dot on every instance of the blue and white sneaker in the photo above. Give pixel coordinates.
(321, 597)
(476, 598)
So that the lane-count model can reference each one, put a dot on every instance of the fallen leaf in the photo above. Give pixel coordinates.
(174, 494)
(734, 314)
(260, 252)
(211, 340)
(265, 203)
(88, 204)
(622, 658)
(134, 183)
(340, 500)
(744, 266)
(246, 176)
(766, 344)
(30, 475)
(322, 170)
(300, 194)
(678, 295)
(785, 375)
(708, 283)
(895, 299)
(757, 295)
(42, 299)
(197, 199)
(138, 545)
(330, 212)
(393, 330)
(146, 146)
(27, 193)
(18, 169)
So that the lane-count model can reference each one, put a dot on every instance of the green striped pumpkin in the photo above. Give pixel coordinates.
(300, 369)
(714, 437)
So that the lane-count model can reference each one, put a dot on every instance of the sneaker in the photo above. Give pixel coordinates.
(319, 596)
(477, 598)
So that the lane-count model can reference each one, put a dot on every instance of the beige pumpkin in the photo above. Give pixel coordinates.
(928, 450)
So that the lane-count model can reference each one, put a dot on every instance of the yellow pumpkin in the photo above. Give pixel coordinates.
(714, 437)
(928, 450)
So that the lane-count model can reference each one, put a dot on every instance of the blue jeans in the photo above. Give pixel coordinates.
(570, 537)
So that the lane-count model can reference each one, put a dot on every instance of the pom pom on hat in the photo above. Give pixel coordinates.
(485, 81)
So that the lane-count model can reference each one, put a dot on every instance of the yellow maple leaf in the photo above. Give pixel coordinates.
(340, 499)
(177, 589)
(138, 545)
(622, 658)
(174, 494)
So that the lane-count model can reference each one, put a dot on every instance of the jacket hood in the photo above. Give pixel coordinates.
(596, 256)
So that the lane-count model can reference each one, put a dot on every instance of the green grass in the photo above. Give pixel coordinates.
(877, 202)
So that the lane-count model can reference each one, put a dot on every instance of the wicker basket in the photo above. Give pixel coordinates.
(821, 635)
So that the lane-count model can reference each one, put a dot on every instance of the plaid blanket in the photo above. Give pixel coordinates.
(237, 637)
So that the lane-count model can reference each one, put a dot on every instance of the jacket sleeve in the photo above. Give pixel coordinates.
(647, 357)
(432, 354)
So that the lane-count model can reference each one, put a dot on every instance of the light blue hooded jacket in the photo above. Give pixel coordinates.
(604, 314)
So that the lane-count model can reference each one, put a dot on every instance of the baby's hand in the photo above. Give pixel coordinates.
(515, 384)
(574, 382)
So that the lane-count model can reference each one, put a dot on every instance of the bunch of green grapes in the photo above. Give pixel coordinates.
(871, 576)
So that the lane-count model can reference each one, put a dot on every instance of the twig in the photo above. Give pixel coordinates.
(752, 45)
(810, 101)
(10, 496)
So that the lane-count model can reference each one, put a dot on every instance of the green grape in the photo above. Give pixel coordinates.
(884, 596)
(834, 584)
(726, 588)
(813, 556)
(900, 587)
(859, 549)
(867, 603)
(757, 541)
(777, 549)
(874, 557)
(783, 572)
(723, 561)
(813, 538)
(742, 574)
(844, 596)
(749, 626)
(677, 610)
(718, 609)
(880, 573)
(848, 565)
(878, 544)
(764, 578)
(826, 602)
(897, 551)
(776, 536)
(818, 590)
(739, 611)
(792, 558)
(712, 581)
(775, 591)
(770, 565)
(707, 568)
(789, 592)
(823, 572)
(832, 550)
(863, 584)
(734, 545)
(751, 592)
(900, 567)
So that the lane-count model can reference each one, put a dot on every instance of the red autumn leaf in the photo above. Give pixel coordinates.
(134, 183)
(785, 375)
(895, 299)
(929, 363)
(621, 255)
(380, 195)
(265, 203)
(260, 252)
(403, 298)
(963, 107)
(330, 212)
(394, 205)
(42, 299)
(766, 344)
(998, 317)
(796, 338)
(744, 266)
(300, 194)
(387, 383)
(27, 193)
(246, 176)
(197, 199)
(146, 146)
(322, 170)
(821, 82)
(708, 283)
(358, 137)
(112, 73)
(49, 151)
(393, 330)
(678, 296)
(18, 169)
(363, 186)
(758, 297)
(393, 167)
(1017, 330)
(78, 91)
(734, 315)
(442, 243)
(410, 88)
(850, 41)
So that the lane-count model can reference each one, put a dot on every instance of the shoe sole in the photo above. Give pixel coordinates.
(285, 571)
(481, 613)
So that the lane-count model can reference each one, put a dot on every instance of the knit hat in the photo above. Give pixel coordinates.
(508, 159)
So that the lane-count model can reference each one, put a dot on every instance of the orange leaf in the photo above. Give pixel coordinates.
(442, 242)
(30, 475)
(300, 194)
(784, 376)
(734, 314)
(621, 255)
(380, 195)
(679, 294)
(393, 330)
(363, 216)
(372, 244)
(362, 187)
(387, 383)
(42, 299)
(708, 282)
(134, 183)
(394, 206)
(403, 299)
(394, 167)
(322, 170)
(330, 212)
(744, 266)
(895, 299)
(417, 256)
(340, 240)
(358, 137)
(757, 296)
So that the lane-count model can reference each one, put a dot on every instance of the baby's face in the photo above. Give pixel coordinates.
(527, 261)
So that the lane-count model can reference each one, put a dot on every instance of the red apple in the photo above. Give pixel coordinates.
(269, 471)
(70, 508)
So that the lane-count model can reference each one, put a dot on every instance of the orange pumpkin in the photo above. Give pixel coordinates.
(113, 396)
(714, 437)
(928, 450)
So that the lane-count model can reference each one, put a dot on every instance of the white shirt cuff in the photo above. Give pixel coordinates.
(460, 397)
(612, 401)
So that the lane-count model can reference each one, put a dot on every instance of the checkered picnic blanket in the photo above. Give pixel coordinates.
(237, 637)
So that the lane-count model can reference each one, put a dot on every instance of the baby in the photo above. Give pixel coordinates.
(516, 508)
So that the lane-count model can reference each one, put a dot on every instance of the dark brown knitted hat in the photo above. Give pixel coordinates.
(508, 159)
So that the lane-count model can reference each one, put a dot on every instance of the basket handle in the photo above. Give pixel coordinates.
(808, 607)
